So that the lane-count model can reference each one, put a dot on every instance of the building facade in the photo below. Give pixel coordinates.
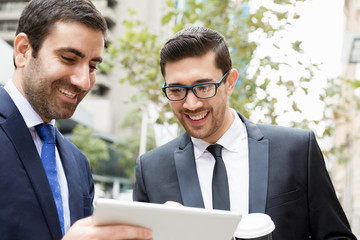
(346, 173)
(104, 108)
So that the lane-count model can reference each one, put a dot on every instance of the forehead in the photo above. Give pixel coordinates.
(189, 70)
(76, 36)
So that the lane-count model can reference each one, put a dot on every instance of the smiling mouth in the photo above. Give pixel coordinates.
(67, 93)
(198, 117)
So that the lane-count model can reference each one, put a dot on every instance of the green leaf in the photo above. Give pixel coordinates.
(296, 46)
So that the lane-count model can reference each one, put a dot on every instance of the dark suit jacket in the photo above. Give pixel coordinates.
(288, 181)
(27, 208)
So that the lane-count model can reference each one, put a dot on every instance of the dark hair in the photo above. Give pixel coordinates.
(196, 42)
(39, 17)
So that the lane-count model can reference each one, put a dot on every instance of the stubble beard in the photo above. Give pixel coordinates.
(210, 129)
(38, 91)
(200, 132)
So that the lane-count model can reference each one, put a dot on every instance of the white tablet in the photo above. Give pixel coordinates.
(167, 221)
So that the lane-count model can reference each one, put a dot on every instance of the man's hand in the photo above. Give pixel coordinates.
(172, 203)
(84, 229)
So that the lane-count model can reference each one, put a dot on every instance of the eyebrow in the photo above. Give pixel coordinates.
(204, 80)
(78, 53)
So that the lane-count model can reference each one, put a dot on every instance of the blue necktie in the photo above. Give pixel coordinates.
(220, 185)
(47, 134)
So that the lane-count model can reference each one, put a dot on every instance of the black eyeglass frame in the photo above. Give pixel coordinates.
(192, 88)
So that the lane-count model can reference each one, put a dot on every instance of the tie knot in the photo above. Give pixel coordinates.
(215, 150)
(46, 132)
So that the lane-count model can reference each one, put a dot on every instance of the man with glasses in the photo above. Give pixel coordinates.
(224, 161)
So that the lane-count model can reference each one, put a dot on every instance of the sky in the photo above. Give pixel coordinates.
(321, 29)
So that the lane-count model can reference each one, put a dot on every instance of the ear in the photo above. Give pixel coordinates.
(22, 50)
(231, 81)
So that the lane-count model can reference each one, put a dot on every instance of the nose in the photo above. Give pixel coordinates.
(191, 102)
(81, 77)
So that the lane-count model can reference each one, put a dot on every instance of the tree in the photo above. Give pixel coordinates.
(95, 149)
(128, 148)
(260, 51)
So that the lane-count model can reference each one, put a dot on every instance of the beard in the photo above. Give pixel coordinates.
(43, 94)
(215, 125)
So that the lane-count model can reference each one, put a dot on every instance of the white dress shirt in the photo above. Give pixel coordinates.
(235, 154)
(32, 119)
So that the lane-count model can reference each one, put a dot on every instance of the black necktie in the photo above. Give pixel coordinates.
(220, 185)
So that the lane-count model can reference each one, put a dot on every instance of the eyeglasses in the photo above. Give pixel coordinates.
(201, 90)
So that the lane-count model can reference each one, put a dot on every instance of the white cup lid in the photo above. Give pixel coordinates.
(254, 225)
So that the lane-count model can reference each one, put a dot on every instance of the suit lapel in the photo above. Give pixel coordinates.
(258, 170)
(69, 165)
(258, 167)
(187, 174)
(18, 133)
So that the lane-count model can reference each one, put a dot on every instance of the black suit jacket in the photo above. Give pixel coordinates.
(28, 210)
(288, 181)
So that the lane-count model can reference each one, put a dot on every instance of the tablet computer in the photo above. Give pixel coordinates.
(168, 221)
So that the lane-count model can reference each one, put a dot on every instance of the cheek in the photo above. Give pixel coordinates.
(92, 81)
(52, 71)
(176, 108)
(173, 105)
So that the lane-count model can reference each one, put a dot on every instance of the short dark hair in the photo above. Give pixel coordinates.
(196, 42)
(39, 17)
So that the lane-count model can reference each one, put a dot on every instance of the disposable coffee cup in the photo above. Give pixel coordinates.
(255, 226)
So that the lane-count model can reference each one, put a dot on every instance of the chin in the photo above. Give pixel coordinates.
(197, 134)
(62, 115)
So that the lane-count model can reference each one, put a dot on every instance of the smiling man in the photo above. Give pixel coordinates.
(63, 71)
(45, 181)
(224, 161)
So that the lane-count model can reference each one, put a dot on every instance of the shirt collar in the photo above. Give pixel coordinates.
(230, 140)
(29, 115)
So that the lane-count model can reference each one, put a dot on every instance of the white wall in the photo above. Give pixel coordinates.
(6, 62)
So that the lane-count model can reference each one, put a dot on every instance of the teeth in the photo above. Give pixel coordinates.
(67, 93)
(197, 117)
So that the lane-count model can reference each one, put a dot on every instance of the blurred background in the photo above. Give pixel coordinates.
(298, 62)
